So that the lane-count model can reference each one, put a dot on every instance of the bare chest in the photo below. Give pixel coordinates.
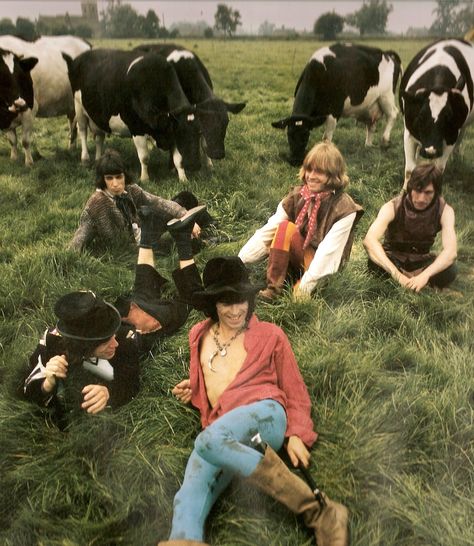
(219, 371)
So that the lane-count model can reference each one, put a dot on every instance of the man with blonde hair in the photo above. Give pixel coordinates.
(313, 227)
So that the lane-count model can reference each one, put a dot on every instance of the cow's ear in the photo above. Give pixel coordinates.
(235, 107)
(28, 64)
(460, 83)
(281, 124)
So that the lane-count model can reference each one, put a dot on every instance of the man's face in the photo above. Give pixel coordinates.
(232, 315)
(422, 199)
(115, 183)
(107, 349)
(315, 179)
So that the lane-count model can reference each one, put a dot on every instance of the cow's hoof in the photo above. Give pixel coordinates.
(384, 144)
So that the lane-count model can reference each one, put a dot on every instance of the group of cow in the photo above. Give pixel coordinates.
(164, 92)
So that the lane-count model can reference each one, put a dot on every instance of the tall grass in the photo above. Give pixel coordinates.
(389, 372)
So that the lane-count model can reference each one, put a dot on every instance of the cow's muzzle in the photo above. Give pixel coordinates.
(431, 152)
(18, 106)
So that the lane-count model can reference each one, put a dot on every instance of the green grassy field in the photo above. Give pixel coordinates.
(390, 373)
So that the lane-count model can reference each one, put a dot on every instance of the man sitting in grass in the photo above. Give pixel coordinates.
(244, 380)
(89, 361)
(410, 223)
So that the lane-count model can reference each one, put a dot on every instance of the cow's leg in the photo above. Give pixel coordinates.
(178, 163)
(411, 147)
(205, 158)
(369, 136)
(26, 136)
(458, 149)
(72, 130)
(99, 137)
(141, 146)
(330, 127)
(12, 139)
(387, 104)
(82, 125)
(440, 162)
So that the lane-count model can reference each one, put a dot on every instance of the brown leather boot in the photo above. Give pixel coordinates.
(329, 522)
(277, 268)
(181, 543)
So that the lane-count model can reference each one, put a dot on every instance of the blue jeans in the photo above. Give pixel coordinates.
(222, 451)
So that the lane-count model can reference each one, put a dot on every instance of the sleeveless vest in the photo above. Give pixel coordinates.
(412, 233)
(335, 207)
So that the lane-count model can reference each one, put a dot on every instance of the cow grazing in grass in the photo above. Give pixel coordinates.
(52, 91)
(342, 80)
(16, 99)
(211, 111)
(138, 95)
(437, 101)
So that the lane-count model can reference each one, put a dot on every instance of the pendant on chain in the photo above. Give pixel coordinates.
(209, 362)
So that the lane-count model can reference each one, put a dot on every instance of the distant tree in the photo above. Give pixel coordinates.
(371, 18)
(208, 33)
(122, 21)
(25, 28)
(453, 17)
(7, 26)
(150, 24)
(329, 25)
(226, 19)
(266, 29)
(83, 31)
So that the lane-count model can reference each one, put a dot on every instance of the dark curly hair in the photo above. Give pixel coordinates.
(229, 298)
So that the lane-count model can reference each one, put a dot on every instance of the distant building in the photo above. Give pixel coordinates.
(67, 23)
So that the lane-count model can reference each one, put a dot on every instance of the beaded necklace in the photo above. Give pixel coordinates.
(222, 349)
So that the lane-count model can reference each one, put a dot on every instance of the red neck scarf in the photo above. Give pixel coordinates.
(309, 198)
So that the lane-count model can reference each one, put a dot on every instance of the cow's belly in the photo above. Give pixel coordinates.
(53, 92)
(118, 127)
(368, 108)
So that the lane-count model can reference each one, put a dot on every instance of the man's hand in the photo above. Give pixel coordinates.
(55, 367)
(95, 398)
(196, 231)
(418, 282)
(297, 451)
(182, 391)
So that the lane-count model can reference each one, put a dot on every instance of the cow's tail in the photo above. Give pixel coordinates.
(398, 71)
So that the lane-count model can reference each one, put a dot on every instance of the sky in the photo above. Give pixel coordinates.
(297, 14)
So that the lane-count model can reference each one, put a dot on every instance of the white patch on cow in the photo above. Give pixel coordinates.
(298, 123)
(437, 103)
(9, 60)
(118, 127)
(190, 117)
(177, 55)
(137, 60)
(320, 55)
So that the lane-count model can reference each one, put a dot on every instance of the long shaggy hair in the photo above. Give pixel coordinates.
(327, 158)
(110, 163)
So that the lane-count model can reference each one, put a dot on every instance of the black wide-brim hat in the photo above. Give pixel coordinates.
(83, 316)
(224, 275)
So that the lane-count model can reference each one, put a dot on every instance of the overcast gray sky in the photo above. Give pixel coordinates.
(298, 14)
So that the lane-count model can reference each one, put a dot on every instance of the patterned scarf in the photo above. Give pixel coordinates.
(309, 198)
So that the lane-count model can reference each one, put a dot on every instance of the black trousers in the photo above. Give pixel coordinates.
(440, 280)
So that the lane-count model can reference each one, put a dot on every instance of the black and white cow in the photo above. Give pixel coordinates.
(16, 99)
(212, 112)
(437, 101)
(138, 95)
(52, 90)
(342, 80)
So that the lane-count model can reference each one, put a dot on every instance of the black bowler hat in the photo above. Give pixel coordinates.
(86, 317)
(224, 275)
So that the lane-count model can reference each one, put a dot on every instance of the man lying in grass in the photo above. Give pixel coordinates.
(410, 223)
(312, 229)
(89, 361)
(244, 380)
(114, 206)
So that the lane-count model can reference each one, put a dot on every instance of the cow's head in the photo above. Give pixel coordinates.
(213, 119)
(16, 87)
(435, 117)
(187, 132)
(299, 128)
